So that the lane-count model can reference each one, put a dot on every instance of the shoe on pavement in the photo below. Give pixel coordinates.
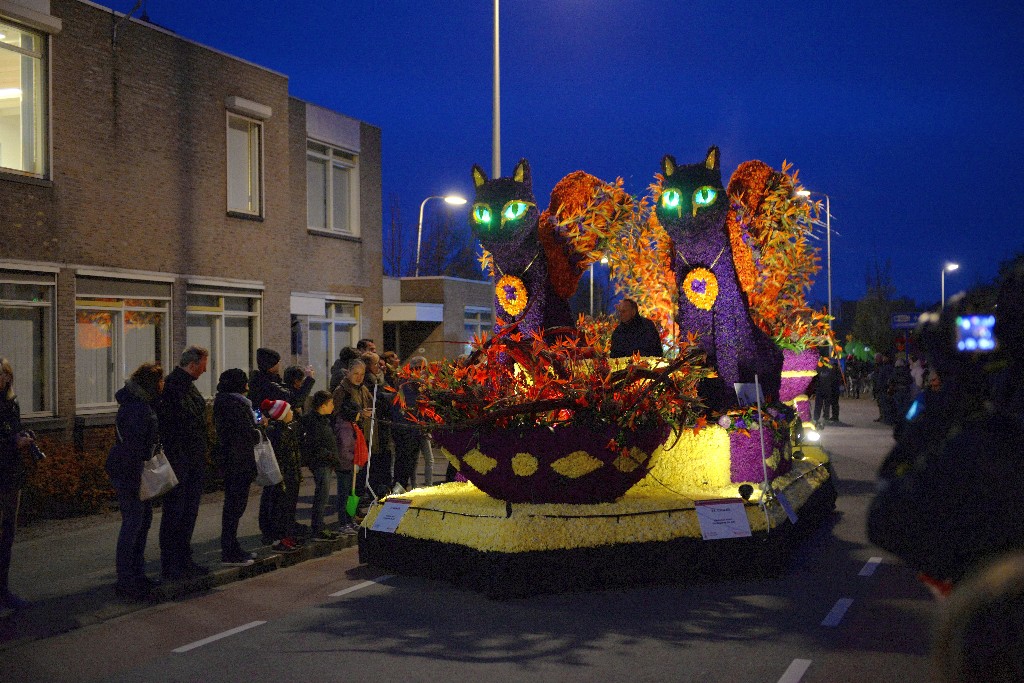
(285, 545)
(326, 535)
(240, 560)
(350, 530)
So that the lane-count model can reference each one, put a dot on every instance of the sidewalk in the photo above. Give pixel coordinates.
(66, 567)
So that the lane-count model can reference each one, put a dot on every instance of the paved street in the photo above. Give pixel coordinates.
(837, 614)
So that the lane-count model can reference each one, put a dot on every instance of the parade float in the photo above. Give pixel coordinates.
(581, 471)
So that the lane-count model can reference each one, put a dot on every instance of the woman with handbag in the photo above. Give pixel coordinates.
(237, 434)
(137, 440)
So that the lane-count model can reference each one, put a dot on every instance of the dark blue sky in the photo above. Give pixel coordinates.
(909, 115)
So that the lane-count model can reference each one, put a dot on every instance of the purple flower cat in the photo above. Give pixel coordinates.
(692, 208)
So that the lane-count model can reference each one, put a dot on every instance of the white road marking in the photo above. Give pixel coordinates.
(360, 586)
(870, 567)
(838, 611)
(225, 634)
(795, 671)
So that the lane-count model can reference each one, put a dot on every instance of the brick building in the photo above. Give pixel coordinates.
(156, 193)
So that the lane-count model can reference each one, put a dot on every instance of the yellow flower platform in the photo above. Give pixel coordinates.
(454, 532)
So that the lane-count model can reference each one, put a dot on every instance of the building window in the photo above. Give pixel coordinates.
(228, 324)
(332, 189)
(245, 165)
(26, 338)
(113, 336)
(478, 321)
(22, 101)
(327, 336)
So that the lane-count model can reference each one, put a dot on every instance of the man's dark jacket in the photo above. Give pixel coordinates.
(639, 334)
(183, 423)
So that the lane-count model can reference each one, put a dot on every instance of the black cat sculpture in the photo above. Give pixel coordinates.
(693, 207)
(505, 219)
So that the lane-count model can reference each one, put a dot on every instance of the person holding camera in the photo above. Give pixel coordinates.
(13, 440)
(948, 495)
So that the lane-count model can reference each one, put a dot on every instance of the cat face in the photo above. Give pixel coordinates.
(503, 207)
(692, 196)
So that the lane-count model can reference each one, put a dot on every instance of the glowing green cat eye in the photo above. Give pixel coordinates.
(513, 210)
(482, 213)
(704, 196)
(670, 199)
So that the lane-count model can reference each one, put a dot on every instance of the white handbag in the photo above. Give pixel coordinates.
(158, 476)
(268, 473)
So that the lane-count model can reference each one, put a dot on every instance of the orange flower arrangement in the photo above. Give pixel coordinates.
(511, 293)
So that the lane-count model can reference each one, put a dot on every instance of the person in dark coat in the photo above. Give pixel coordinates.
(340, 368)
(137, 434)
(266, 384)
(13, 440)
(634, 333)
(826, 392)
(237, 434)
(182, 411)
(320, 455)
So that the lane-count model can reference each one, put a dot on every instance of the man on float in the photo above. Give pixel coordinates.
(634, 333)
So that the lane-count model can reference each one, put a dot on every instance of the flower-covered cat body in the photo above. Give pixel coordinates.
(505, 219)
(692, 208)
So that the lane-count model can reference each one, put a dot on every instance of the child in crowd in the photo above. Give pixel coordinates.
(320, 455)
(283, 436)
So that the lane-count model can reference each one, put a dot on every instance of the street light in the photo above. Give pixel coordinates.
(948, 268)
(604, 259)
(828, 245)
(453, 199)
(496, 106)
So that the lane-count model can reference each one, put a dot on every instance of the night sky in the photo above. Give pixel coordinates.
(907, 114)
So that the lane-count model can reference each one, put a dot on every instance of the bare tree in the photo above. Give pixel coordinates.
(449, 250)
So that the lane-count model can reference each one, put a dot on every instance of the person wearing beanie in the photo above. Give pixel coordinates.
(276, 410)
(237, 434)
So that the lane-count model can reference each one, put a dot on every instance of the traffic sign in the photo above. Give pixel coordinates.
(905, 321)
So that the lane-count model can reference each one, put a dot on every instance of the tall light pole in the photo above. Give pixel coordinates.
(947, 268)
(828, 245)
(603, 260)
(496, 131)
(453, 199)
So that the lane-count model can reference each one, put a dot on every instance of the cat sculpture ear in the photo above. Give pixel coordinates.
(668, 165)
(479, 176)
(522, 173)
(711, 162)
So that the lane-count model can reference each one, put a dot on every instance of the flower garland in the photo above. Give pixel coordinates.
(511, 293)
(701, 288)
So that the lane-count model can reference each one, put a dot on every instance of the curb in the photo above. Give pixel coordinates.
(108, 606)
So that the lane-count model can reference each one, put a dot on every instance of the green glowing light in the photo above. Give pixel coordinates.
(482, 213)
(705, 196)
(514, 209)
(670, 199)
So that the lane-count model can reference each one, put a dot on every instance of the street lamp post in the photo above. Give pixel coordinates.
(603, 260)
(948, 268)
(828, 246)
(496, 107)
(453, 199)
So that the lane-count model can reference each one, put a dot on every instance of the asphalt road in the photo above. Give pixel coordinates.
(844, 611)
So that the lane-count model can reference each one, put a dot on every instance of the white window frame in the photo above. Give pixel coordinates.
(331, 318)
(49, 350)
(220, 313)
(93, 302)
(474, 316)
(335, 157)
(258, 182)
(41, 142)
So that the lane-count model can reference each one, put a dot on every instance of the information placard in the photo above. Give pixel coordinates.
(787, 506)
(722, 518)
(390, 515)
